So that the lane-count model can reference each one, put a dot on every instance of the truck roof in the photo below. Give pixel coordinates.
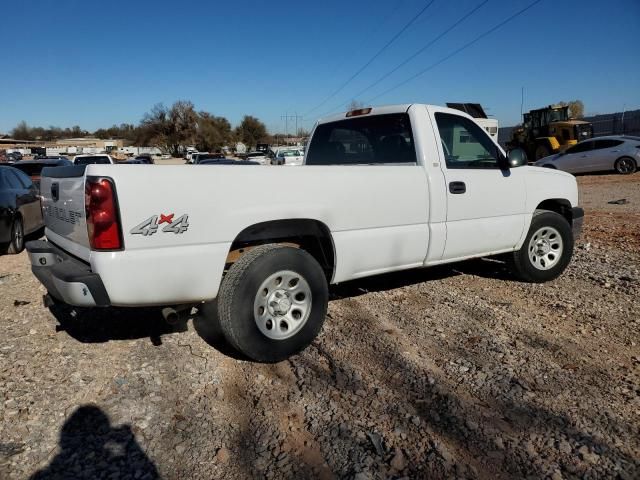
(385, 109)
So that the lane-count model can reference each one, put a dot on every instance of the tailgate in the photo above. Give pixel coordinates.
(62, 191)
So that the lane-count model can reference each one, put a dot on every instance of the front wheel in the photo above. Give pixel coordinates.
(546, 250)
(272, 302)
(625, 165)
(17, 236)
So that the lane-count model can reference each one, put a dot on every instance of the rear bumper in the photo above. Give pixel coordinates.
(577, 215)
(65, 277)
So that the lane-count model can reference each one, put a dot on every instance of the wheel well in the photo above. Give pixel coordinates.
(558, 205)
(312, 236)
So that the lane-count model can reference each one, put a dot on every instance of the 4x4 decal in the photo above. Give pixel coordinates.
(151, 225)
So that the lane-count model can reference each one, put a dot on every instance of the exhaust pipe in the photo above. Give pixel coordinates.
(174, 315)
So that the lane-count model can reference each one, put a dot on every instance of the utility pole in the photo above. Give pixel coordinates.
(521, 102)
(286, 118)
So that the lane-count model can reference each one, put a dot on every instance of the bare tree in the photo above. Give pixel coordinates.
(576, 108)
(355, 105)
(251, 131)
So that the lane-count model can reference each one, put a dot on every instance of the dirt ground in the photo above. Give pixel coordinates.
(456, 371)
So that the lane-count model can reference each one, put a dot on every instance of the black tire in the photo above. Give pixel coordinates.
(542, 151)
(548, 165)
(625, 165)
(16, 245)
(238, 292)
(523, 266)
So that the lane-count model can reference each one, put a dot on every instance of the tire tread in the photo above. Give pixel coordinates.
(230, 284)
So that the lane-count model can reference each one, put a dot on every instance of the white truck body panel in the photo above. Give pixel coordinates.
(381, 217)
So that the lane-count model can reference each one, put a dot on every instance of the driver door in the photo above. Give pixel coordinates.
(485, 205)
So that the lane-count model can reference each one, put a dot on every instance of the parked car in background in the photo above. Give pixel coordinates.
(93, 159)
(33, 168)
(145, 158)
(20, 209)
(227, 161)
(199, 157)
(14, 157)
(288, 157)
(135, 161)
(261, 157)
(617, 152)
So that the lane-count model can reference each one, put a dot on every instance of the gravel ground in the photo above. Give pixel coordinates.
(448, 372)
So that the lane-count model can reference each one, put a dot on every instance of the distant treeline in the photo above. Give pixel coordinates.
(168, 128)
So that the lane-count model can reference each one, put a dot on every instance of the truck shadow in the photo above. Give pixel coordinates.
(99, 325)
(90, 447)
(481, 267)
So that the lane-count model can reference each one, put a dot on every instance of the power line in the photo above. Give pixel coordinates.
(402, 64)
(378, 53)
(455, 52)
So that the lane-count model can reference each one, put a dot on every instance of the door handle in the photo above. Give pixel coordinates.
(457, 187)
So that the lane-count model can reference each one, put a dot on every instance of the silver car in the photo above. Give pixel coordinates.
(620, 153)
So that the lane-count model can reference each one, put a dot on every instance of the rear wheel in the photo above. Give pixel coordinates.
(272, 302)
(625, 165)
(542, 151)
(548, 165)
(546, 250)
(17, 236)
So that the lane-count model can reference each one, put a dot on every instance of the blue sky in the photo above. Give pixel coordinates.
(93, 64)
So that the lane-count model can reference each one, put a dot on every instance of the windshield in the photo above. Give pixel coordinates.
(558, 115)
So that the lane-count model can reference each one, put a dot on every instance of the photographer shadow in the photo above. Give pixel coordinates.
(90, 448)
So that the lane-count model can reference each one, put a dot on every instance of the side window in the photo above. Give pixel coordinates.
(464, 143)
(379, 139)
(600, 144)
(581, 147)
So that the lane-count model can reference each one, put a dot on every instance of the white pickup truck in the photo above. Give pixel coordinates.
(382, 189)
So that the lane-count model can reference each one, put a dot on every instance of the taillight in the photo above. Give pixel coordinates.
(103, 223)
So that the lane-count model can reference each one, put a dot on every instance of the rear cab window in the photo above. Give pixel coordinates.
(371, 140)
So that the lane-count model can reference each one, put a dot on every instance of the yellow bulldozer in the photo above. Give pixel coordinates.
(548, 130)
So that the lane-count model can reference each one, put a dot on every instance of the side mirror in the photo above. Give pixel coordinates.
(517, 157)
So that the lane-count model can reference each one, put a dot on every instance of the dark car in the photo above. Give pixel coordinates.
(136, 161)
(20, 210)
(144, 158)
(197, 158)
(227, 161)
(33, 168)
(14, 157)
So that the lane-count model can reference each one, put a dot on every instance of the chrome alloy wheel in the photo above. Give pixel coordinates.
(545, 248)
(282, 305)
(18, 235)
(625, 165)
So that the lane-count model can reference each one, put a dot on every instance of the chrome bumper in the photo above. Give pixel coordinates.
(65, 277)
